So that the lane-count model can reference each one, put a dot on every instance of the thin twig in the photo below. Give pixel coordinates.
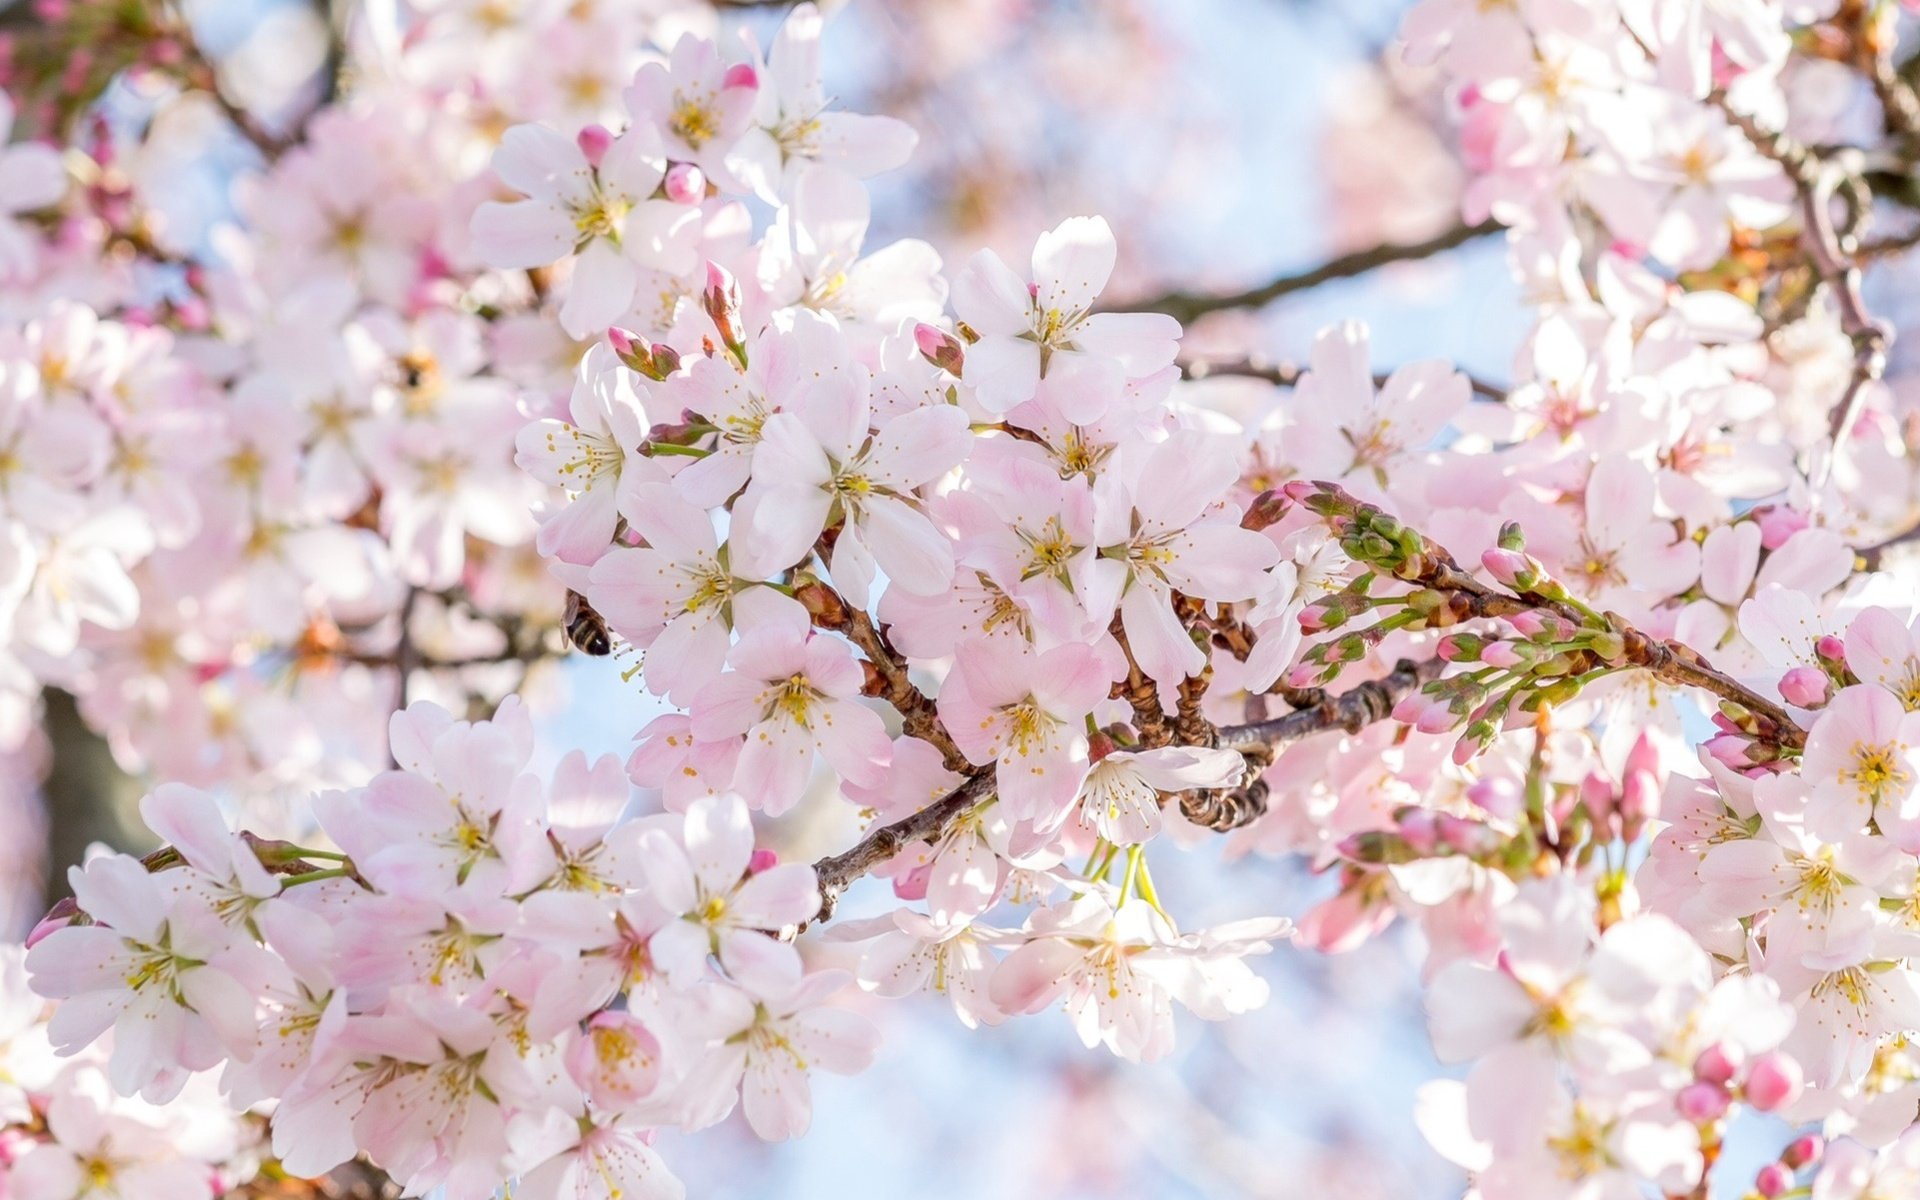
(1188, 306)
(1833, 253)
(1287, 374)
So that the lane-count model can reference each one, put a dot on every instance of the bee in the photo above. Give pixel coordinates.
(587, 629)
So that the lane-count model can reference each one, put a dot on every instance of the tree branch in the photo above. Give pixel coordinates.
(1350, 710)
(1188, 306)
(1287, 374)
(1833, 252)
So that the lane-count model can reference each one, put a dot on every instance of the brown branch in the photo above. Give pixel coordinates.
(1832, 252)
(1287, 374)
(1350, 711)
(919, 716)
(1870, 556)
(1188, 306)
(1431, 566)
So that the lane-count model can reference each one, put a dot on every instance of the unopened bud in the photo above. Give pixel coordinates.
(1461, 647)
(940, 348)
(1511, 538)
(762, 859)
(1805, 687)
(1773, 1082)
(1702, 1102)
(1831, 648)
(741, 75)
(1804, 1151)
(1773, 1180)
(721, 301)
(1719, 1063)
(685, 184)
(594, 142)
(1511, 568)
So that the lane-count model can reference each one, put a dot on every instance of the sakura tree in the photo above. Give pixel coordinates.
(537, 331)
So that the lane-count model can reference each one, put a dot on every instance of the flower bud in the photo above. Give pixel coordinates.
(741, 75)
(594, 142)
(1468, 837)
(1461, 647)
(762, 859)
(1831, 648)
(1773, 1082)
(940, 348)
(1778, 523)
(1596, 794)
(58, 917)
(1804, 1151)
(1505, 655)
(1418, 828)
(1511, 568)
(1702, 1102)
(685, 184)
(1773, 1180)
(1718, 1063)
(722, 302)
(1511, 538)
(1805, 687)
(1497, 797)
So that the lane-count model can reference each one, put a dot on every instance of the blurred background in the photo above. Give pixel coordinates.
(1230, 143)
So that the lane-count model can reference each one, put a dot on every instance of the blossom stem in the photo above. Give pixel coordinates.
(315, 876)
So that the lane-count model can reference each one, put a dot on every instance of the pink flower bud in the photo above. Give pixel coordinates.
(1831, 648)
(594, 141)
(762, 859)
(1639, 803)
(1718, 1063)
(741, 75)
(722, 303)
(1464, 836)
(685, 184)
(1596, 794)
(1509, 567)
(1502, 655)
(1702, 1102)
(1773, 1180)
(1418, 828)
(940, 348)
(1531, 624)
(1730, 750)
(1298, 490)
(52, 923)
(1773, 1082)
(1498, 798)
(1805, 687)
(1804, 1151)
(1778, 523)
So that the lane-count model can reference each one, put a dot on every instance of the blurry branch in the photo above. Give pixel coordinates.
(89, 798)
(1350, 710)
(1870, 556)
(1286, 374)
(1832, 250)
(1189, 306)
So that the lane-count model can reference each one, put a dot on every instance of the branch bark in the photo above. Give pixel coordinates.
(1351, 710)
(1287, 374)
(1189, 306)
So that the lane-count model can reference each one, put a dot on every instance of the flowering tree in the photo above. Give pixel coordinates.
(542, 329)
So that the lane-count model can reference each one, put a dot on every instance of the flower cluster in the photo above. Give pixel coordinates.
(975, 571)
